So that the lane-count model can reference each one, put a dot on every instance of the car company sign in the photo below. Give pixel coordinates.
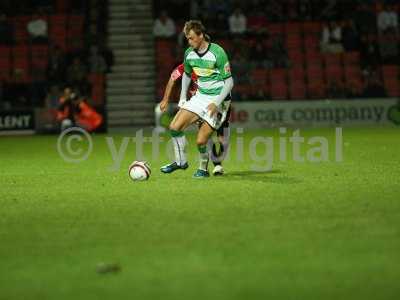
(316, 113)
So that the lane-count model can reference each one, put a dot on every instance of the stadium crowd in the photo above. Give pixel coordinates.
(46, 45)
(293, 49)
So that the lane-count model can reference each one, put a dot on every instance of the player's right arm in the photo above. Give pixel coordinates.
(175, 75)
(186, 79)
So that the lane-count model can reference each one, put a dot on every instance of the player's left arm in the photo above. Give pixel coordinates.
(225, 72)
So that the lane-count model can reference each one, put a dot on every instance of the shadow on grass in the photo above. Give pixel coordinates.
(266, 176)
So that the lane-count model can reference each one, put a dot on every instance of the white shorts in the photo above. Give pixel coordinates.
(198, 105)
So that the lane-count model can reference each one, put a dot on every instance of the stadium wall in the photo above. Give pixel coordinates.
(322, 113)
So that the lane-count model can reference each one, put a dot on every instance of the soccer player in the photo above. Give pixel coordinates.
(211, 101)
(218, 150)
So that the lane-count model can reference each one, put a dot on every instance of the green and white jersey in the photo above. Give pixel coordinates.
(211, 68)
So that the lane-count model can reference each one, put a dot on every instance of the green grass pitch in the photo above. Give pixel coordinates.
(328, 230)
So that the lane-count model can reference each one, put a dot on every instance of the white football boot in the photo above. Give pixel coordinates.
(218, 170)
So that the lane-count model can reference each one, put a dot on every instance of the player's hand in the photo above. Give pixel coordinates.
(212, 109)
(164, 105)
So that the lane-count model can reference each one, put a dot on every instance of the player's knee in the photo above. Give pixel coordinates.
(201, 140)
(174, 127)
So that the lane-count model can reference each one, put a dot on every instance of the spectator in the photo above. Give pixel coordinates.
(274, 11)
(215, 7)
(4, 104)
(164, 26)
(374, 88)
(220, 26)
(108, 55)
(335, 91)
(332, 38)
(257, 23)
(292, 9)
(387, 20)
(351, 40)
(260, 56)
(330, 10)
(56, 66)
(237, 22)
(37, 88)
(278, 52)
(178, 9)
(353, 91)
(74, 111)
(97, 63)
(76, 72)
(259, 95)
(369, 51)
(305, 10)
(240, 66)
(389, 48)
(365, 19)
(18, 92)
(6, 30)
(52, 97)
(92, 36)
(37, 28)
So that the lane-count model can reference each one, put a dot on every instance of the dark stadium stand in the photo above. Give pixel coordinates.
(303, 71)
(24, 61)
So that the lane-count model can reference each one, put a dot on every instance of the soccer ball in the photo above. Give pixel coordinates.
(139, 171)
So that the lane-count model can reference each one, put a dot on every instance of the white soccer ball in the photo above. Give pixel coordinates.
(139, 171)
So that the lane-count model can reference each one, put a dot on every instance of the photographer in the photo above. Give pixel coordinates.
(73, 111)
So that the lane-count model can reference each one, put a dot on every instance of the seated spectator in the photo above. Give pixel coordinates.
(292, 9)
(387, 20)
(369, 51)
(237, 22)
(365, 19)
(259, 95)
(37, 28)
(305, 10)
(374, 88)
(4, 99)
(37, 88)
(389, 48)
(260, 56)
(77, 72)
(6, 31)
(74, 111)
(331, 41)
(108, 55)
(97, 63)
(352, 91)
(350, 38)
(164, 26)
(274, 11)
(240, 66)
(56, 67)
(219, 26)
(18, 91)
(52, 97)
(335, 91)
(257, 23)
(330, 10)
(279, 53)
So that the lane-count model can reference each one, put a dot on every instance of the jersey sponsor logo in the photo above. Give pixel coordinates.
(227, 68)
(202, 71)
